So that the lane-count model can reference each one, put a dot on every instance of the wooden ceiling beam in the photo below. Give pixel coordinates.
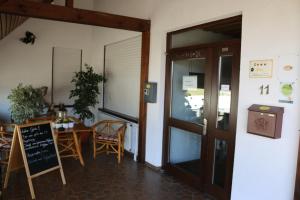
(2, 1)
(73, 15)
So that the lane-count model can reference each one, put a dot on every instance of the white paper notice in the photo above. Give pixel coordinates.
(225, 87)
(189, 82)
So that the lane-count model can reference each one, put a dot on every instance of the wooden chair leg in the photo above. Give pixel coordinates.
(123, 149)
(71, 144)
(94, 144)
(119, 153)
(80, 142)
(107, 149)
(6, 155)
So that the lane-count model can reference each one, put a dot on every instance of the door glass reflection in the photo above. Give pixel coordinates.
(188, 90)
(220, 158)
(224, 92)
(185, 150)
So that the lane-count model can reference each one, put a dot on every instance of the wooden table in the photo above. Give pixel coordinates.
(75, 131)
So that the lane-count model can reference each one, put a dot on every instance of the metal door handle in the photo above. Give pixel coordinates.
(204, 126)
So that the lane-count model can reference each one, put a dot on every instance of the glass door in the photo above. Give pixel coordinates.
(200, 115)
(189, 92)
(222, 118)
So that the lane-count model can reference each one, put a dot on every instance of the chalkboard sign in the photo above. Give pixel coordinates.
(39, 147)
(33, 146)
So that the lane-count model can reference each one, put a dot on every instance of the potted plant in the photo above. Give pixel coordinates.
(26, 102)
(85, 92)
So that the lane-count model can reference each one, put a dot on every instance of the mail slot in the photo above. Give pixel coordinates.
(265, 120)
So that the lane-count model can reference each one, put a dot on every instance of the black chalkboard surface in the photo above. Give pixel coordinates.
(39, 147)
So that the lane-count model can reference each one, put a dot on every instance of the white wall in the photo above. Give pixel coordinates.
(133, 8)
(32, 64)
(263, 168)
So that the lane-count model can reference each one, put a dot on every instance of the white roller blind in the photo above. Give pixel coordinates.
(66, 61)
(122, 71)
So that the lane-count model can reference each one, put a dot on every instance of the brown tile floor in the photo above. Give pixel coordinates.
(102, 178)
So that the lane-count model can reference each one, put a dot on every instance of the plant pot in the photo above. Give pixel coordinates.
(58, 126)
(65, 125)
(71, 124)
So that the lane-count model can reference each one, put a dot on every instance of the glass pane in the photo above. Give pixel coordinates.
(224, 93)
(188, 90)
(220, 157)
(196, 36)
(185, 150)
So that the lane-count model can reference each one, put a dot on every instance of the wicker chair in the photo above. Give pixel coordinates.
(108, 137)
(6, 134)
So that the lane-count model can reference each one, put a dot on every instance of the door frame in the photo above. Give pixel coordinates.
(234, 46)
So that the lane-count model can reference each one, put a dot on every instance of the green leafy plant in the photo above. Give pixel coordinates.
(85, 91)
(26, 102)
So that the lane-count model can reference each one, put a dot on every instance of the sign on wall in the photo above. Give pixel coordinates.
(288, 74)
(261, 68)
(286, 92)
(288, 67)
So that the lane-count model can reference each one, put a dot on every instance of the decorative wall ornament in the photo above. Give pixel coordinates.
(29, 38)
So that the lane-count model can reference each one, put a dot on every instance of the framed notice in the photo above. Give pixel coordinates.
(261, 68)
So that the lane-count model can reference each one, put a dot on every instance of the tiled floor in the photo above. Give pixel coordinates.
(102, 178)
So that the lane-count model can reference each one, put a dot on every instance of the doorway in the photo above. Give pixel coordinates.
(201, 107)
